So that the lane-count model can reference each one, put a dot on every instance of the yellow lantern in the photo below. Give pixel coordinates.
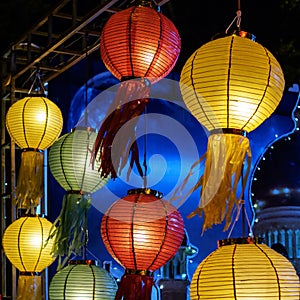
(244, 269)
(33, 123)
(26, 245)
(231, 85)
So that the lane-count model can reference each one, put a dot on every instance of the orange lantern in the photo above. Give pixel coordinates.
(139, 46)
(142, 232)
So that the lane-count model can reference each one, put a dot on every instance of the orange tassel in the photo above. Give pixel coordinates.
(129, 103)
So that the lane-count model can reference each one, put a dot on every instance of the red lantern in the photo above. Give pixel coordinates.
(142, 232)
(139, 46)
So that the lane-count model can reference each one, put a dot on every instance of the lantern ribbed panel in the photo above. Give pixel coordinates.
(244, 272)
(34, 122)
(232, 82)
(70, 162)
(82, 281)
(139, 42)
(142, 232)
(24, 243)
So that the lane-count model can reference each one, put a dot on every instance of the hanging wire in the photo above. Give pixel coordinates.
(86, 80)
(145, 149)
(236, 19)
(37, 82)
(241, 210)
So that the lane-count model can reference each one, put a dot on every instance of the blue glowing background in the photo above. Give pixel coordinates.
(175, 140)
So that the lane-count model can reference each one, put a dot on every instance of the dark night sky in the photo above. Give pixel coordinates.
(275, 23)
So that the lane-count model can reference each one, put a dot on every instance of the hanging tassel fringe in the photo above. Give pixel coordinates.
(129, 103)
(135, 287)
(70, 228)
(223, 171)
(29, 287)
(29, 189)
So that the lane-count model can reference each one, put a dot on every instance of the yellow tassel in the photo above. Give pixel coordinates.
(29, 189)
(29, 287)
(223, 172)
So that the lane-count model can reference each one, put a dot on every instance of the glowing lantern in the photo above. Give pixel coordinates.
(82, 279)
(69, 162)
(25, 245)
(139, 46)
(142, 232)
(231, 85)
(245, 269)
(33, 123)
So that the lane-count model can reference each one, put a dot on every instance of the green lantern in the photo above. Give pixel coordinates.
(70, 164)
(82, 279)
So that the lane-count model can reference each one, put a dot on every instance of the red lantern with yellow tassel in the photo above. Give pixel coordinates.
(139, 46)
(142, 232)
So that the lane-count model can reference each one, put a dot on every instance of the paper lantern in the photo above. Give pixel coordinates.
(244, 269)
(231, 85)
(33, 123)
(70, 165)
(26, 245)
(82, 279)
(139, 46)
(142, 232)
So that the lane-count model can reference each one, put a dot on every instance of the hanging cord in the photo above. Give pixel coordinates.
(241, 208)
(86, 80)
(37, 82)
(145, 149)
(237, 18)
(86, 238)
(85, 227)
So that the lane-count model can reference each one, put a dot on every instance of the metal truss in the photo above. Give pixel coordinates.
(58, 41)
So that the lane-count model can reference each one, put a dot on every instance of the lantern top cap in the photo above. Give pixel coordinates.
(36, 94)
(240, 33)
(86, 128)
(240, 241)
(145, 3)
(145, 191)
(23, 214)
(88, 262)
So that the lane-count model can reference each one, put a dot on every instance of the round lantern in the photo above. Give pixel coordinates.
(139, 46)
(70, 164)
(244, 269)
(82, 279)
(33, 123)
(70, 161)
(142, 232)
(140, 42)
(231, 85)
(26, 245)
